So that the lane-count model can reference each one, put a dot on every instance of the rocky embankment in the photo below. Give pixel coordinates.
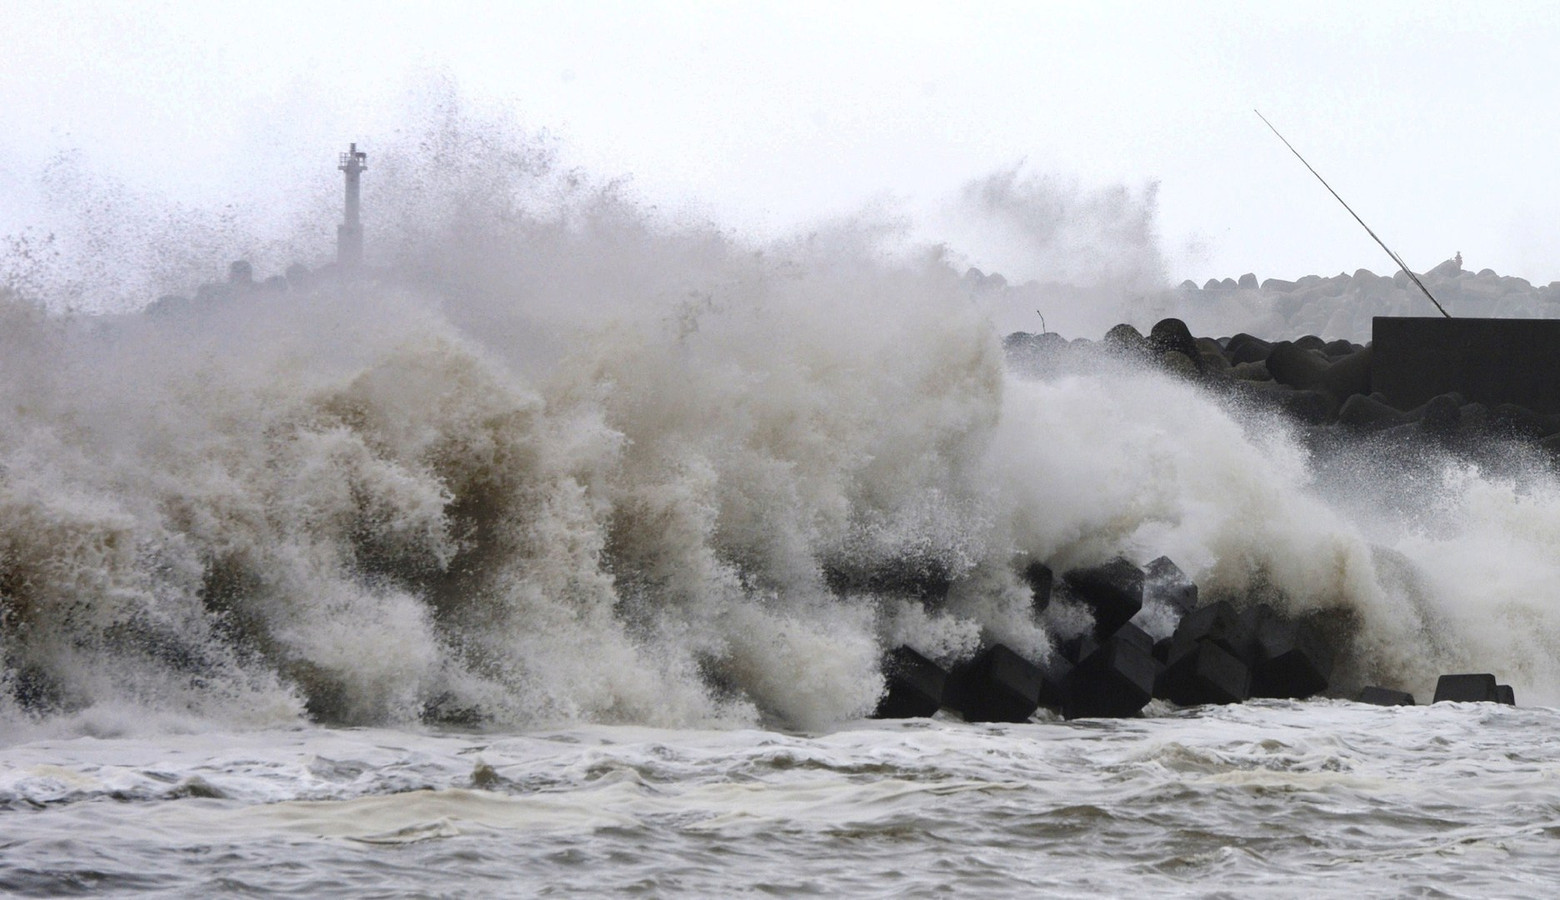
(1340, 306)
(1230, 649)
(1343, 305)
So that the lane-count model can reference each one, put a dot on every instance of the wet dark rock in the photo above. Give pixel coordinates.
(1479, 688)
(1306, 407)
(1217, 622)
(1204, 672)
(1348, 375)
(1216, 363)
(1077, 647)
(1115, 681)
(1504, 694)
(1113, 592)
(1127, 340)
(1251, 371)
(1172, 335)
(1296, 366)
(1473, 419)
(998, 685)
(1511, 420)
(1135, 636)
(1441, 417)
(1381, 696)
(1243, 348)
(1031, 352)
(448, 711)
(915, 686)
(1365, 414)
(1179, 364)
(1164, 582)
(1291, 659)
(1056, 682)
(1040, 578)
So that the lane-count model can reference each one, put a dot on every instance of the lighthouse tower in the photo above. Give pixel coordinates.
(349, 234)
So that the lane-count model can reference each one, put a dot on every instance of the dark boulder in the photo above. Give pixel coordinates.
(1056, 682)
(1466, 689)
(1291, 661)
(1215, 363)
(1306, 407)
(1293, 365)
(1115, 681)
(1113, 592)
(915, 686)
(1511, 420)
(1244, 348)
(1348, 375)
(1504, 694)
(1077, 647)
(1127, 341)
(1251, 371)
(997, 685)
(1204, 672)
(1365, 414)
(1441, 417)
(1166, 583)
(1172, 336)
(1217, 622)
(1381, 696)
(1039, 577)
(1178, 363)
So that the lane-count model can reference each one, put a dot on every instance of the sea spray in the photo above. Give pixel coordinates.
(577, 463)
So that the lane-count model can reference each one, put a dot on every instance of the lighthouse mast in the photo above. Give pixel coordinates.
(349, 234)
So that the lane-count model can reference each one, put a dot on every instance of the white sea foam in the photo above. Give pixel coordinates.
(564, 461)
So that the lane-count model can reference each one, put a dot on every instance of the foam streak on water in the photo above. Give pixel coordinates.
(1454, 800)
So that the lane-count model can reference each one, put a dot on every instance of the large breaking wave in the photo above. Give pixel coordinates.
(561, 459)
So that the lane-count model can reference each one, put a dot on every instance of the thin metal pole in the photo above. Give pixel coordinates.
(1395, 258)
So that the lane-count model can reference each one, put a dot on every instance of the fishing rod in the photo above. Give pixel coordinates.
(1395, 258)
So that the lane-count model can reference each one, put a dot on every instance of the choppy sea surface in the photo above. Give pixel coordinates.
(1327, 797)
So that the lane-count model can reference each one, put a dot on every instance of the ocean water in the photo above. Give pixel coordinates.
(1327, 798)
(548, 558)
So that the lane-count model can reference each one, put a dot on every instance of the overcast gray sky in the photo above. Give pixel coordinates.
(1437, 121)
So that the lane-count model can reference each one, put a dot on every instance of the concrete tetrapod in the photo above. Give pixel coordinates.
(915, 686)
(997, 685)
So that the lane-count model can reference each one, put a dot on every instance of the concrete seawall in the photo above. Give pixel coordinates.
(1490, 361)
